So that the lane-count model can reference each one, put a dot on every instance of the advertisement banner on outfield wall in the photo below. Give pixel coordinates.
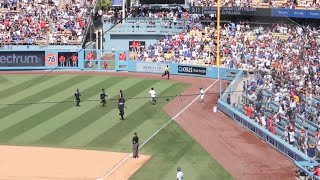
(22, 58)
(192, 70)
(150, 67)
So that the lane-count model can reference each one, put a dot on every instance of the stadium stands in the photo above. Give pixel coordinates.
(44, 22)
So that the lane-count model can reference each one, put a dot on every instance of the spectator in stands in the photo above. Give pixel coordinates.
(62, 60)
(317, 171)
(248, 110)
(229, 99)
(89, 58)
(291, 137)
(74, 59)
(303, 140)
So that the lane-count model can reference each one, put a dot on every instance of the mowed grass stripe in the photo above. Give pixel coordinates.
(15, 83)
(90, 117)
(190, 159)
(147, 120)
(37, 108)
(10, 80)
(47, 113)
(43, 129)
(49, 88)
(173, 147)
(3, 80)
(18, 92)
(104, 124)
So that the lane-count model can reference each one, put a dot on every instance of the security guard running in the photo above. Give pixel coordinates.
(77, 97)
(103, 96)
(121, 106)
(166, 72)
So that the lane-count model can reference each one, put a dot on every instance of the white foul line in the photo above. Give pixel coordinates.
(125, 159)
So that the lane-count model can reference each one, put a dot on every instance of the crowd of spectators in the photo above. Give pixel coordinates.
(44, 21)
(284, 97)
(288, 4)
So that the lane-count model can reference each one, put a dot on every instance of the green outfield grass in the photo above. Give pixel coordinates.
(44, 115)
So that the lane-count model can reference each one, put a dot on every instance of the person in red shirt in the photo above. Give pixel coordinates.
(90, 58)
(43, 24)
(122, 56)
(74, 59)
(6, 23)
(62, 60)
(316, 136)
(248, 110)
(105, 65)
(133, 46)
(138, 46)
(317, 171)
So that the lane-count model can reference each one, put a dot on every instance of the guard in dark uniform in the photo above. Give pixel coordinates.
(77, 97)
(135, 148)
(121, 106)
(120, 95)
(103, 96)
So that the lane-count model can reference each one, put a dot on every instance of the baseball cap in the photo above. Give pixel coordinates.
(179, 168)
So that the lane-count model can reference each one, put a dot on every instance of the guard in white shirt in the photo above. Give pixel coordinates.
(152, 93)
(201, 95)
(179, 174)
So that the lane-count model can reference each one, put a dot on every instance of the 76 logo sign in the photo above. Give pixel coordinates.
(51, 59)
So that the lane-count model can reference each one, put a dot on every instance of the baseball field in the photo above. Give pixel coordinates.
(90, 142)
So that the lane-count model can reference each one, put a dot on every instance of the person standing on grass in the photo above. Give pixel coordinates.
(120, 95)
(201, 95)
(103, 96)
(166, 72)
(77, 97)
(121, 106)
(152, 93)
(135, 143)
(179, 174)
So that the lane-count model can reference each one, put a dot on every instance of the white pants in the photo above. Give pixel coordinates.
(201, 97)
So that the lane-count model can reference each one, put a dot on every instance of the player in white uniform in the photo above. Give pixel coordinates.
(201, 95)
(152, 93)
(179, 174)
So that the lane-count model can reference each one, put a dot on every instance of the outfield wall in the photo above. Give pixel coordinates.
(177, 69)
(36, 58)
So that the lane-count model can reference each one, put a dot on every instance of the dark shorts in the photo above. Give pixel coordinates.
(291, 143)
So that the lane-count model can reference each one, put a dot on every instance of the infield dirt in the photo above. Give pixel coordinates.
(40, 163)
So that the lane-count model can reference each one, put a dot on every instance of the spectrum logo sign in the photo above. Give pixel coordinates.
(22, 58)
